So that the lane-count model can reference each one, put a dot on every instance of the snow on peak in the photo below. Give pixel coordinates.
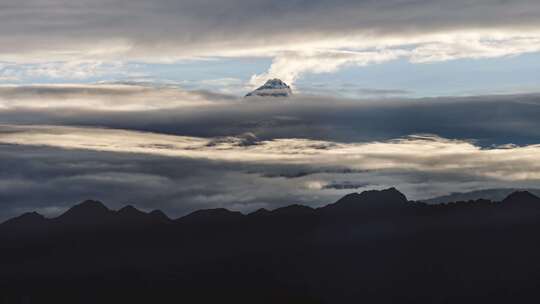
(273, 88)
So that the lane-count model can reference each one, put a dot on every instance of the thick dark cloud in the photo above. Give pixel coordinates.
(491, 120)
(302, 37)
(163, 28)
(50, 179)
(241, 177)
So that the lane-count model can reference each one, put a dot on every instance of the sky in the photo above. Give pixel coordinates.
(142, 102)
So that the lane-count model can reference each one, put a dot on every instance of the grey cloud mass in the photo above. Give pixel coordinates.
(50, 168)
(490, 120)
(106, 97)
(160, 146)
(176, 150)
(165, 30)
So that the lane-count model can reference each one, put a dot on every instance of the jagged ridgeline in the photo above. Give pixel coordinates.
(369, 247)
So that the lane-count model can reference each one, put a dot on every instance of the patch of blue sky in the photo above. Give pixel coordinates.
(398, 78)
(506, 75)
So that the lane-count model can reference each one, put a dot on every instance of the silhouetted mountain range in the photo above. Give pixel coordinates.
(372, 247)
(497, 194)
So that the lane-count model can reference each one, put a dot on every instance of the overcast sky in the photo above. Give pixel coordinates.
(400, 47)
(141, 101)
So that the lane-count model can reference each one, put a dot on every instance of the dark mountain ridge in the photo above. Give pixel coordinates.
(382, 211)
(373, 247)
(495, 194)
(384, 202)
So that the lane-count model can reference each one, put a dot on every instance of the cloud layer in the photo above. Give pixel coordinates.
(303, 36)
(491, 120)
(48, 168)
(140, 28)
(161, 146)
(164, 147)
(106, 97)
(425, 154)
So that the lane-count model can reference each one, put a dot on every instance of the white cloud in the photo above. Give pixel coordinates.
(72, 69)
(65, 70)
(289, 66)
(303, 37)
(9, 79)
(424, 154)
(110, 97)
(475, 48)
(164, 30)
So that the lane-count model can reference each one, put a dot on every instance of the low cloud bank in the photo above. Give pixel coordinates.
(50, 167)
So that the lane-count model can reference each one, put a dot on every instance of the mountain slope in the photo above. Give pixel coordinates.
(369, 247)
(368, 202)
(489, 194)
(272, 88)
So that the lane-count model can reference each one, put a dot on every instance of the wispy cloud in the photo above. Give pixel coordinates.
(488, 46)
(292, 65)
(289, 66)
(167, 108)
(427, 154)
(48, 168)
(110, 97)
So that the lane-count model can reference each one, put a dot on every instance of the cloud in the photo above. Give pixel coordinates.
(168, 29)
(289, 66)
(111, 97)
(384, 92)
(49, 168)
(168, 109)
(427, 154)
(72, 69)
(50, 180)
(475, 48)
(308, 37)
(65, 70)
(197, 149)
(345, 185)
(246, 139)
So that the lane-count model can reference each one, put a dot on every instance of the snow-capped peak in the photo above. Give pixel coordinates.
(273, 88)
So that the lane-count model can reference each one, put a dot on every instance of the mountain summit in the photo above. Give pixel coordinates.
(272, 88)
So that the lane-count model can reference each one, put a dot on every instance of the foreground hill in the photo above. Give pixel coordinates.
(372, 247)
